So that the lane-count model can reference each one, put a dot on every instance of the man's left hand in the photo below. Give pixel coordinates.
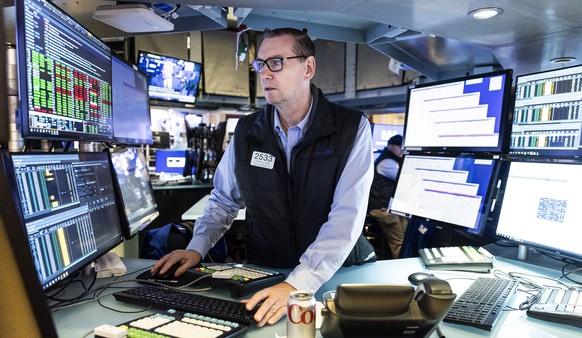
(274, 303)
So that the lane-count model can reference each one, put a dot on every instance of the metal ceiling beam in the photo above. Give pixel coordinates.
(315, 30)
(216, 14)
(408, 59)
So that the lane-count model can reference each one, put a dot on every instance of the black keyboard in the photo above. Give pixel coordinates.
(560, 306)
(482, 303)
(164, 298)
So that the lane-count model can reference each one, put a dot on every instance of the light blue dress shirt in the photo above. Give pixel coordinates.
(336, 237)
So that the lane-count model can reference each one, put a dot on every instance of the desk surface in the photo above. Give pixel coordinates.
(79, 321)
(198, 209)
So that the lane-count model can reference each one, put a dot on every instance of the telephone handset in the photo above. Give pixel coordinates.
(367, 310)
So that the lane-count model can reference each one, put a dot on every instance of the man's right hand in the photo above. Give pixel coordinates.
(185, 258)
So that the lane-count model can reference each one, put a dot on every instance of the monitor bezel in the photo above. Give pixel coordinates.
(127, 140)
(80, 265)
(577, 257)
(22, 69)
(128, 232)
(482, 227)
(543, 153)
(169, 102)
(504, 121)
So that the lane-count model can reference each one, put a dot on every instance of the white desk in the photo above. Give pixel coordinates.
(80, 320)
(198, 209)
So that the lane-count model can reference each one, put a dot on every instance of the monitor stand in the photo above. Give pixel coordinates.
(522, 252)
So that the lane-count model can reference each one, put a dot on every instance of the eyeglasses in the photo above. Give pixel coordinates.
(274, 64)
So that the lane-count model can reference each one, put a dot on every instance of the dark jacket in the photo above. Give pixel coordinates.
(382, 187)
(285, 211)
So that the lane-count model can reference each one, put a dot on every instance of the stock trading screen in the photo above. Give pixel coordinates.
(69, 208)
(547, 119)
(67, 76)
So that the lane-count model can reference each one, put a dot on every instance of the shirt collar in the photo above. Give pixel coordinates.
(302, 125)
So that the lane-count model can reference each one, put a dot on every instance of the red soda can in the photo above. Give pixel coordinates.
(301, 315)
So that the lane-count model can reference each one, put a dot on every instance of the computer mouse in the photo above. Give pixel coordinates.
(417, 277)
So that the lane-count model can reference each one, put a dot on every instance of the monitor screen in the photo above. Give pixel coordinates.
(131, 105)
(171, 79)
(547, 118)
(136, 195)
(541, 206)
(68, 207)
(64, 74)
(381, 133)
(466, 114)
(174, 162)
(449, 190)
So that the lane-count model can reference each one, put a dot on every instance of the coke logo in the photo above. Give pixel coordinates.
(299, 316)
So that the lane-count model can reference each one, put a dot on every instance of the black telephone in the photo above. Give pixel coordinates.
(381, 310)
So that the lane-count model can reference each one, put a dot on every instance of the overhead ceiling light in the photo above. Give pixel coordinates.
(485, 13)
(563, 59)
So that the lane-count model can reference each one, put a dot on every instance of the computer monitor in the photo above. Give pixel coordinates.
(24, 309)
(548, 113)
(454, 191)
(381, 133)
(171, 79)
(132, 123)
(466, 114)
(64, 76)
(174, 162)
(68, 207)
(135, 194)
(542, 207)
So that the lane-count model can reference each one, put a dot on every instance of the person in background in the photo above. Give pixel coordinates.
(386, 168)
(302, 167)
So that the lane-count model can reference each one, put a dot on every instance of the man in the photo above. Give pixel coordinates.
(167, 77)
(385, 170)
(302, 167)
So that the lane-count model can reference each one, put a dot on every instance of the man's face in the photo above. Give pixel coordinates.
(395, 149)
(286, 85)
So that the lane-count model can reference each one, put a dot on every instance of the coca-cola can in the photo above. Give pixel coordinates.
(301, 315)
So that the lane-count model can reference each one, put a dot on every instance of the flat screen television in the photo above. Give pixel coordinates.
(171, 79)
(68, 209)
(541, 206)
(381, 133)
(466, 114)
(64, 76)
(132, 123)
(455, 191)
(138, 207)
(547, 116)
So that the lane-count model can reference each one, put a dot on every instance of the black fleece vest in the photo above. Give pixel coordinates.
(284, 211)
(382, 187)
